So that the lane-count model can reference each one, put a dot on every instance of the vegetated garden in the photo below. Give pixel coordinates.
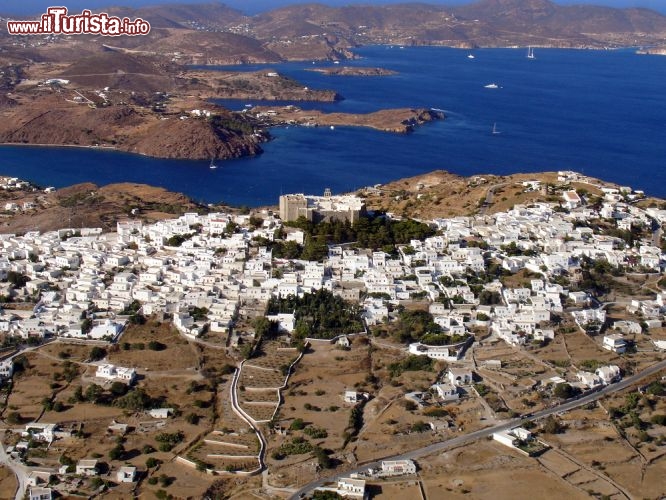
(319, 315)
(419, 326)
(377, 233)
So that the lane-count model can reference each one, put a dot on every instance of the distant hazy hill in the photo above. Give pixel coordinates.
(213, 33)
(484, 23)
(183, 15)
(542, 15)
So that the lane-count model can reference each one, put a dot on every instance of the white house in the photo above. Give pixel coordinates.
(161, 412)
(87, 468)
(351, 397)
(126, 474)
(40, 494)
(286, 321)
(398, 467)
(608, 374)
(589, 379)
(108, 329)
(351, 488)
(460, 376)
(513, 436)
(571, 199)
(6, 368)
(446, 392)
(40, 431)
(615, 342)
(628, 327)
(111, 372)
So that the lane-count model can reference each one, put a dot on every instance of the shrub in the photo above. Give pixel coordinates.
(658, 419)
(316, 432)
(420, 426)
(192, 418)
(436, 412)
(297, 424)
(14, 418)
(154, 345)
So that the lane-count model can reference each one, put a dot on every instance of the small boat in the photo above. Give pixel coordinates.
(248, 105)
(332, 127)
(495, 131)
(530, 53)
(491, 86)
(470, 56)
(212, 165)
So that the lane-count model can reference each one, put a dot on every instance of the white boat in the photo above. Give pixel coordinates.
(495, 131)
(212, 165)
(491, 86)
(530, 53)
(470, 56)
(332, 127)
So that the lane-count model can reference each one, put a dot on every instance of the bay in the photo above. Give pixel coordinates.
(602, 113)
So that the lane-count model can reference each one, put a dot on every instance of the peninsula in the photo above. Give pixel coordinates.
(400, 120)
(142, 104)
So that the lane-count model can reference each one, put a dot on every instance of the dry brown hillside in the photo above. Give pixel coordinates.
(87, 205)
(442, 194)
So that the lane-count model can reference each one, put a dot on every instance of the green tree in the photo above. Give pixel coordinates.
(552, 426)
(118, 388)
(97, 353)
(94, 393)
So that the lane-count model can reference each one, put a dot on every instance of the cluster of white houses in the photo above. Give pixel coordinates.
(84, 281)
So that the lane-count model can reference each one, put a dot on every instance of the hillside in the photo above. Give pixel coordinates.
(186, 46)
(117, 70)
(51, 120)
(88, 205)
(443, 194)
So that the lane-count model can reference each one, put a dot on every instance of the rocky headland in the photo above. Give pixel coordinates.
(354, 71)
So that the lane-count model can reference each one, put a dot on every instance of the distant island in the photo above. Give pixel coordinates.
(354, 71)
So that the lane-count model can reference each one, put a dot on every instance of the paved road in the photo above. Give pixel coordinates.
(489, 196)
(19, 471)
(473, 436)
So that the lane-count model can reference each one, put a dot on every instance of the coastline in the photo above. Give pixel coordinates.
(41, 145)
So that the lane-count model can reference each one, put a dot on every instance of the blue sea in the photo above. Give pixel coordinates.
(602, 113)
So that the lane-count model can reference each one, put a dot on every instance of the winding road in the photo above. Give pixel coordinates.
(20, 471)
(483, 433)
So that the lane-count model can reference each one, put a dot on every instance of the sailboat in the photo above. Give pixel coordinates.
(530, 52)
(212, 165)
(495, 131)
